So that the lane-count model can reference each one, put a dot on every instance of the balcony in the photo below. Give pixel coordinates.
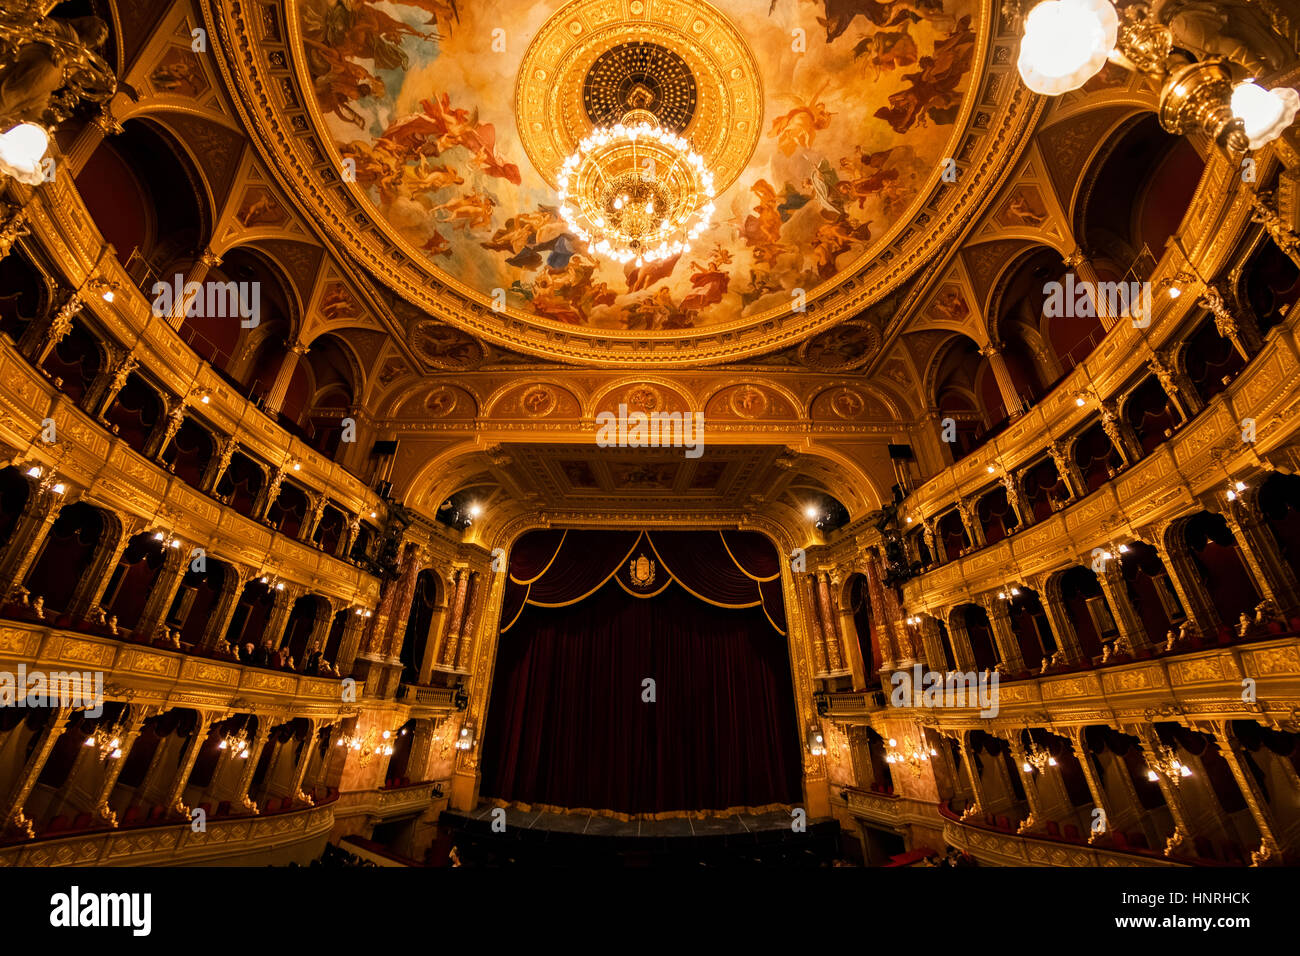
(296, 836)
(1207, 684)
(167, 677)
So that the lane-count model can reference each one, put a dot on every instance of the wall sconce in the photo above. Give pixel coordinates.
(467, 737)
(1236, 488)
(106, 288)
(816, 742)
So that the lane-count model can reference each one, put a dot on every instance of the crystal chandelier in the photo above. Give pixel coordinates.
(107, 741)
(635, 191)
(1036, 759)
(1164, 763)
(911, 754)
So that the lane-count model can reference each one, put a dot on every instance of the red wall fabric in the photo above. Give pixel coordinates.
(567, 725)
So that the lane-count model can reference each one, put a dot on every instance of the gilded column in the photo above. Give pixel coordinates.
(972, 774)
(174, 800)
(33, 526)
(1254, 795)
(974, 530)
(120, 374)
(130, 734)
(1270, 571)
(198, 273)
(275, 398)
(320, 627)
(961, 646)
(1063, 632)
(1173, 799)
(808, 604)
(834, 654)
(1029, 780)
(233, 583)
(304, 760)
(350, 642)
(281, 606)
(1068, 471)
(1007, 387)
(1082, 266)
(447, 655)
(260, 737)
(1090, 777)
(1192, 594)
(55, 725)
(932, 640)
(1004, 635)
(1115, 588)
(108, 552)
(473, 608)
(163, 591)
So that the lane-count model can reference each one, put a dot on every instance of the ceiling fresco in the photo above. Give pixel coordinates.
(840, 115)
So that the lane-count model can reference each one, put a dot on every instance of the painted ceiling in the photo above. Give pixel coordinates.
(860, 105)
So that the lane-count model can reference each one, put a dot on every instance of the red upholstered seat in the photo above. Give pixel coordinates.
(1071, 832)
(1118, 838)
(1003, 823)
(206, 808)
(58, 824)
(132, 816)
(1053, 829)
(157, 813)
(82, 822)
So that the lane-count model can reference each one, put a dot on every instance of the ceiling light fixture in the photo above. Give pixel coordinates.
(636, 191)
(1067, 42)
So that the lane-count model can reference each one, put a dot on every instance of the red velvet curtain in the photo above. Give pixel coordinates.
(567, 725)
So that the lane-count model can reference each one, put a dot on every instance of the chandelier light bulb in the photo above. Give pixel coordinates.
(1066, 43)
(1265, 113)
(613, 199)
(21, 151)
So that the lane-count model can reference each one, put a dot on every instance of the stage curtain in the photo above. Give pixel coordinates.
(567, 726)
(733, 569)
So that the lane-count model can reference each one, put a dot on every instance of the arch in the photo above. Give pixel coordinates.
(65, 555)
(1137, 188)
(429, 596)
(151, 200)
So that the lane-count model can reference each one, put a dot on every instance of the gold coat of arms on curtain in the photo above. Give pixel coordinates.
(641, 571)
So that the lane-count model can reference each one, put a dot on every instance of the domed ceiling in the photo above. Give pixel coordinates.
(836, 130)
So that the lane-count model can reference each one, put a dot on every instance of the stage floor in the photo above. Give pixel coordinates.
(550, 839)
(591, 824)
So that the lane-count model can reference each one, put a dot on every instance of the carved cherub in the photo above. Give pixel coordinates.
(41, 67)
(1245, 626)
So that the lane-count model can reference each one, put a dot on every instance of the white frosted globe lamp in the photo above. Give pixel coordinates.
(1265, 113)
(1066, 44)
(21, 152)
